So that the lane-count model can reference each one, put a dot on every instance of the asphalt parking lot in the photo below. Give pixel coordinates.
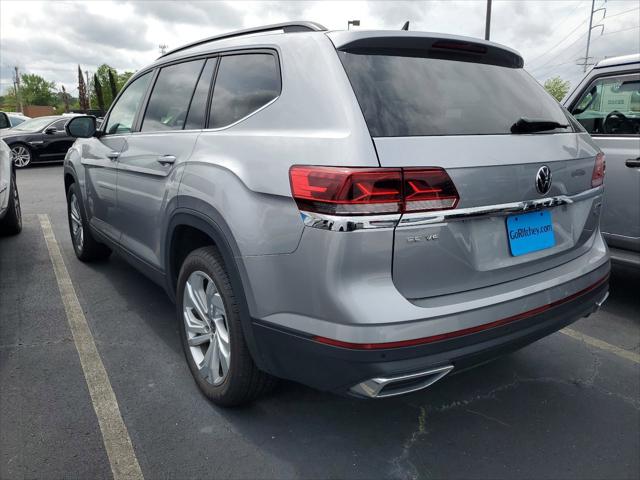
(567, 406)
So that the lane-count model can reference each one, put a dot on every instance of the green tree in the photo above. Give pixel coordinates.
(9, 102)
(82, 91)
(98, 91)
(557, 87)
(111, 82)
(124, 78)
(35, 90)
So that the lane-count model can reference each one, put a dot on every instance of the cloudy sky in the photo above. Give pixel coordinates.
(51, 38)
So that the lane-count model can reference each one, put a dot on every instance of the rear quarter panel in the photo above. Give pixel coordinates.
(242, 172)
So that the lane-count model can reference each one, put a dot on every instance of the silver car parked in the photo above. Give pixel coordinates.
(607, 103)
(10, 213)
(362, 212)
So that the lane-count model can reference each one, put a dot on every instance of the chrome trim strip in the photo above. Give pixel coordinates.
(372, 388)
(441, 216)
(348, 224)
(337, 223)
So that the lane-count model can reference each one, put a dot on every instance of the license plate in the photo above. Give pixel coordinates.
(530, 232)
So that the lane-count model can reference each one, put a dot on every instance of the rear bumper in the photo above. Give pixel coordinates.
(300, 357)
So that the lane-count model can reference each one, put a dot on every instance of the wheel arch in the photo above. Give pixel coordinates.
(190, 229)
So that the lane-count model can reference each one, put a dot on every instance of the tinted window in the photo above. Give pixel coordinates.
(412, 95)
(124, 111)
(198, 108)
(4, 121)
(244, 84)
(34, 124)
(59, 125)
(610, 106)
(169, 102)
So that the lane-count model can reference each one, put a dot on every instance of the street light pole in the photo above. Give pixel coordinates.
(487, 25)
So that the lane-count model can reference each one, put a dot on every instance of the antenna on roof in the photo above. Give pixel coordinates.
(405, 26)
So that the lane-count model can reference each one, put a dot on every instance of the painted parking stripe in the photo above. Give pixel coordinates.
(602, 345)
(115, 436)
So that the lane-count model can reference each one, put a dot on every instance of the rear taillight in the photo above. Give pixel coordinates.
(366, 191)
(428, 189)
(597, 178)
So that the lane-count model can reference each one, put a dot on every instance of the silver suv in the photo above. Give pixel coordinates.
(362, 212)
(607, 104)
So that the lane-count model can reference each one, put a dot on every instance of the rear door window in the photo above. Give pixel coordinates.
(409, 95)
(610, 106)
(198, 110)
(169, 102)
(244, 84)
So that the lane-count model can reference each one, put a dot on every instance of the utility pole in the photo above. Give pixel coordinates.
(487, 25)
(163, 48)
(591, 27)
(17, 87)
(86, 73)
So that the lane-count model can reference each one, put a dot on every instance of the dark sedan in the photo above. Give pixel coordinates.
(40, 139)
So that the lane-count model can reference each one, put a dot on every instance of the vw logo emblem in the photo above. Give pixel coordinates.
(543, 180)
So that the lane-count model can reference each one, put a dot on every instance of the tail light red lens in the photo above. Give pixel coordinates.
(597, 178)
(428, 189)
(366, 191)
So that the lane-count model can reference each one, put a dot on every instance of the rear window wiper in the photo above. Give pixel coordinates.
(532, 125)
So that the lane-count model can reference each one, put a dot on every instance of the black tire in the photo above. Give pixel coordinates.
(87, 248)
(244, 382)
(11, 224)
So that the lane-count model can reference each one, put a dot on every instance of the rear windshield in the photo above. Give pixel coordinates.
(411, 95)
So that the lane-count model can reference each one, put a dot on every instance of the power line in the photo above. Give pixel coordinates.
(618, 31)
(621, 13)
(560, 53)
(561, 41)
(547, 67)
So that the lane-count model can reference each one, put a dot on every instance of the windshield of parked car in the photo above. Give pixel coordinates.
(17, 120)
(408, 95)
(34, 125)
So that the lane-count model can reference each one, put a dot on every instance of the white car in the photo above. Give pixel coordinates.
(10, 215)
(11, 119)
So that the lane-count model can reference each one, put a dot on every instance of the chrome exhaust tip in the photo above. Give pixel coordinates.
(600, 302)
(383, 387)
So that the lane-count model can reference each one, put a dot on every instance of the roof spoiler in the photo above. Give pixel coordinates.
(427, 45)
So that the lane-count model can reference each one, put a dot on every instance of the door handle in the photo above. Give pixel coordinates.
(113, 155)
(166, 159)
(632, 162)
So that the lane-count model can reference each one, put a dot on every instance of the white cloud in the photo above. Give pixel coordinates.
(52, 38)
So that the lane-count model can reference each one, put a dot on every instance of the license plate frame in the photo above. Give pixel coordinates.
(530, 232)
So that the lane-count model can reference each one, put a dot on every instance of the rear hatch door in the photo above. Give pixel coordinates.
(454, 106)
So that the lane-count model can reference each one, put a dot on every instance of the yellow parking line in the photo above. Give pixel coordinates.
(602, 345)
(122, 458)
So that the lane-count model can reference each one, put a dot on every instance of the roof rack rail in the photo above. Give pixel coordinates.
(286, 27)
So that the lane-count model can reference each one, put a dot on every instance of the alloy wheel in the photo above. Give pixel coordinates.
(205, 322)
(21, 156)
(76, 222)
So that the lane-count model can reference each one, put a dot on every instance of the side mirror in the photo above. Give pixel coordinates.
(81, 127)
(50, 131)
